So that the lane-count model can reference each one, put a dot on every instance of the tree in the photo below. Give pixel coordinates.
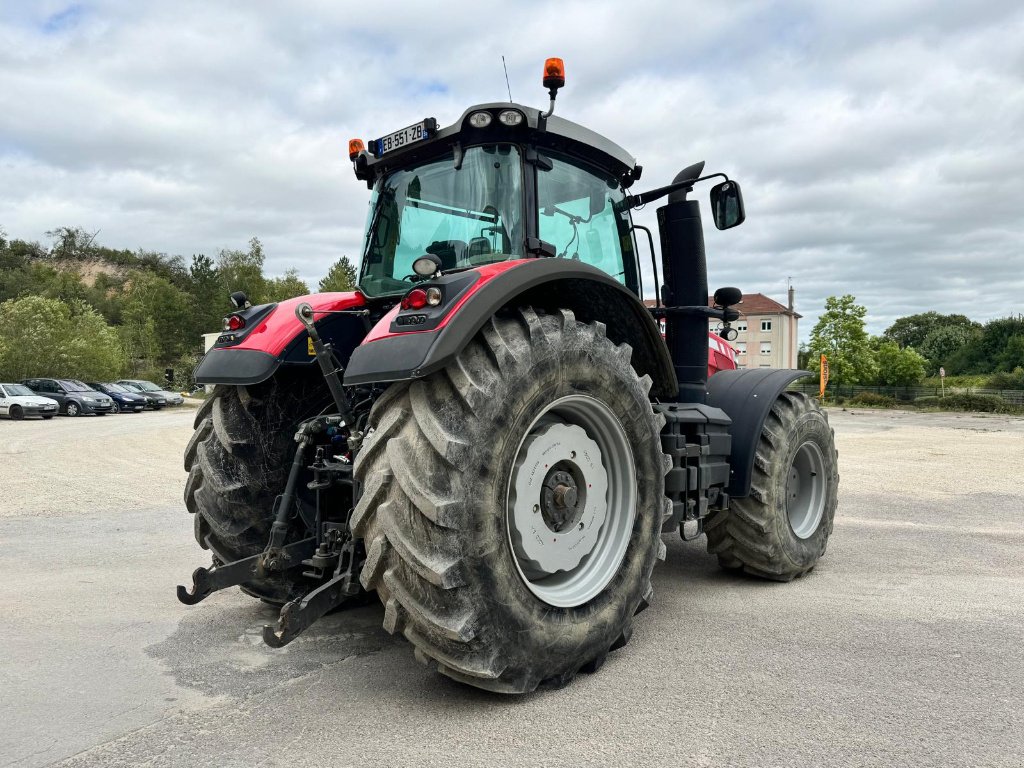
(209, 296)
(40, 336)
(340, 277)
(898, 367)
(943, 341)
(243, 271)
(286, 286)
(71, 243)
(839, 334)
(934, 335)
(991, 350)
(152, 302)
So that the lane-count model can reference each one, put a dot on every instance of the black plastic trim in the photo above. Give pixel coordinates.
(747, 397)
(236, 366)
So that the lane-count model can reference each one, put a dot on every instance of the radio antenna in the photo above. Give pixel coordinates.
(506, 79)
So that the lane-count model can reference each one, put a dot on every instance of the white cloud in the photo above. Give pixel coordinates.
(879, 144)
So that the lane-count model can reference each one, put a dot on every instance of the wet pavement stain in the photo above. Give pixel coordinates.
(218, 647)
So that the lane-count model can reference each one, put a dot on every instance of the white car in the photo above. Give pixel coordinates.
(18, 401)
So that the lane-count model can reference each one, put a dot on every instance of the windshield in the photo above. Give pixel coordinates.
(112, 388)
(72, 385)
(466, 217)
(17, 390)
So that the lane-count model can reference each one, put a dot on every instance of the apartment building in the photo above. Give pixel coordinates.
(767, 335)
(767, 331)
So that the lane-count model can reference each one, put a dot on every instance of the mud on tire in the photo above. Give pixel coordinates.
(435, 477)
(756, 534)
(238, 461)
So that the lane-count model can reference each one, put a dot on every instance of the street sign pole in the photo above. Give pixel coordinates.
(942, 380)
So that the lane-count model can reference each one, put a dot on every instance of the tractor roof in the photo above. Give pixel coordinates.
(551, 133)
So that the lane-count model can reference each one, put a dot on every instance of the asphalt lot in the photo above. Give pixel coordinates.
(904, 647)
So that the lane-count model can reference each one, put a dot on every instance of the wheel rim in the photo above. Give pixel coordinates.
(114, 407)
(571, 501)
(805, 490)
(72, 409)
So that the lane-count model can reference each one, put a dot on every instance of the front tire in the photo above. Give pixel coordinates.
(115, 408)
(16, 413)
(446, 478)
(72, 409)
(781, 529)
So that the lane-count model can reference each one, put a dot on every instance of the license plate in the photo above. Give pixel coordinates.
(401, 138)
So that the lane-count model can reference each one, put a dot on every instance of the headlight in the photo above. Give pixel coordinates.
(90, 399)
(480, 119)
(511, 117)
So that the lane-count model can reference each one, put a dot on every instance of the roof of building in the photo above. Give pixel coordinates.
(752, 304)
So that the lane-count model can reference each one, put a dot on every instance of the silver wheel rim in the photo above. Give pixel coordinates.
(571, 501)
(72, 409)
(805, 490)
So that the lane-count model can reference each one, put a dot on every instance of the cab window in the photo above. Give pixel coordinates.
(580, 213)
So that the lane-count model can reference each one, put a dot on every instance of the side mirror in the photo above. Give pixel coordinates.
(727, 205)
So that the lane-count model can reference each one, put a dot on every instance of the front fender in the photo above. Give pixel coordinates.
(747, 395)
(390, 352)
(277, 337)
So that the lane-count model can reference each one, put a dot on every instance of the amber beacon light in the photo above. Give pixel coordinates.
(355, 146)
(554, 74)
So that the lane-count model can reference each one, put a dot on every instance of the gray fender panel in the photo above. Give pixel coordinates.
(747, 396)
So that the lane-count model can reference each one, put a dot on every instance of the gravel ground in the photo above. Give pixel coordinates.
(902, 648)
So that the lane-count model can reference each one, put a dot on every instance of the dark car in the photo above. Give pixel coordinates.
(154, 400)
(124, 401)
(143, 387)
(73, 396)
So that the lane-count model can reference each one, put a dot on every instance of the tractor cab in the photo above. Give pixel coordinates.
(503, 182)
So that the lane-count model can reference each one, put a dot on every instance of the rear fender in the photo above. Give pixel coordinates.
(276, 337)
(747, 396)
(392, 352)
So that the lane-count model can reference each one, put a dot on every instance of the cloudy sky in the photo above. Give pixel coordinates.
(880, 145)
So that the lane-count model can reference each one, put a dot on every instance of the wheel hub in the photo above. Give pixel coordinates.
(559, 499)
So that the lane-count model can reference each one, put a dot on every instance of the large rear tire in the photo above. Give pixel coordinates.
(452, 473)
(781, 529)
(238, 461)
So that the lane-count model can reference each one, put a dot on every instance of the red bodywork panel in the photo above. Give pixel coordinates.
(721, 356)
(281, 325)
(382, 329)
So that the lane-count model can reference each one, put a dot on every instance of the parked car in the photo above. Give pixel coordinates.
(73, 396)
(149, 388)
(124, 401)
(18, 401)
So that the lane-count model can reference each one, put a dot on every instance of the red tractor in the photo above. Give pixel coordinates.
(491, 433)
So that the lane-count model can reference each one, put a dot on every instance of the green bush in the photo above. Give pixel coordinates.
(872, 399)
(984, 403)
(965, 402)
(1003, 380)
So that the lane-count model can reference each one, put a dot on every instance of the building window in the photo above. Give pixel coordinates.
(741, 348)
(766, 326)
(741, 326)
(766, 348)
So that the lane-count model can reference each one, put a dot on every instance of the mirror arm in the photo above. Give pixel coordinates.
(651, 195)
